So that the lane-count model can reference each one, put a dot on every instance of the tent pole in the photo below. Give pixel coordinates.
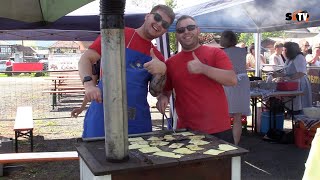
(257, 50)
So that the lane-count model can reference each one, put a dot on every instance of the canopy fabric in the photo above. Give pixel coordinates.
(38, 10)
(49, 35)
(67, 28)
(82, 24)
(250, 15)
(212, 16)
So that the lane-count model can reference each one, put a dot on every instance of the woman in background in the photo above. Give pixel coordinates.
(238, 96)
(251, 60)
(314, 58)
(295, 69)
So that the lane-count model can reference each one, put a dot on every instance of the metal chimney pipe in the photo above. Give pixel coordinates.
(114, 79)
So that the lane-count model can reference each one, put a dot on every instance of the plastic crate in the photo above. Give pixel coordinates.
(302, 136)
(243, 121)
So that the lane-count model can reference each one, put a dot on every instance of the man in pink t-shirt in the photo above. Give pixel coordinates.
(197, 75)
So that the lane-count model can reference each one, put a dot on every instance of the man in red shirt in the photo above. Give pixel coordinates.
(144, 64)
(197, 75)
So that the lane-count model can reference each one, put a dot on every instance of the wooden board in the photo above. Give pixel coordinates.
(38, 156)
(65, 91)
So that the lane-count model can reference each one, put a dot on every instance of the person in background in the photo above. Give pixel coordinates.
(144, 65)
(250, 58)
(238, 96)
(304, 47)
(314, 58)
(95, 78)
(197, 74)
(276, 58)
(296, 70)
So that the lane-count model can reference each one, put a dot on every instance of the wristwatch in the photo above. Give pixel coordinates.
(86, 79)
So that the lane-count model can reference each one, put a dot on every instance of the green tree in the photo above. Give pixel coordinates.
(248, 39)
(172, 35)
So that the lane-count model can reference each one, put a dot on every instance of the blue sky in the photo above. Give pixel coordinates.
(33, 43)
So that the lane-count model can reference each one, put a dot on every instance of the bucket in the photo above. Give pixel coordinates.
(265, 121)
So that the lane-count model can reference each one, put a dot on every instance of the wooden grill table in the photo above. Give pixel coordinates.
(283, 96)
(227, 165)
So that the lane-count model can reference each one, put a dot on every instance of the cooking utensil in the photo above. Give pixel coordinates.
(169, 124)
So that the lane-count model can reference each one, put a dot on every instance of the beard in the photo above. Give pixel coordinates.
(190, 45)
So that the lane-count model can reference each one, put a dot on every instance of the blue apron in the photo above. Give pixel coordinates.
(139, 118)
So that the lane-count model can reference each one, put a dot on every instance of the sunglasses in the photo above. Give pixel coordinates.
(181, 30)
(157, 17)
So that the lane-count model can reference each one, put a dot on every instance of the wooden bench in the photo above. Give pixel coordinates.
(36, 157)
(23, 125)
(59, 92)
(70, 88)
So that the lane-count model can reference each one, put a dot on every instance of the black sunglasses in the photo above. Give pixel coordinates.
(181, 30)
(157, 17)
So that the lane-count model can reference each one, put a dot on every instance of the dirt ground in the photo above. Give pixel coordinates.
(55, 130)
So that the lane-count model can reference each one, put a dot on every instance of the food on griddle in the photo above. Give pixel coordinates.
(149, 149)
(139, 142)
(226, 147)
(185, 133)
(198, 142)
(169, 137)
(158, 143)
(213, 152)
(176, 145)
(193, 147)
(138, 146)
(167, 154)
(183, 151)
(136, 139)
(153, 138)
(197, 137)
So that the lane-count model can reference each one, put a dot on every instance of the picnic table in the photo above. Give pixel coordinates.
(64, 85)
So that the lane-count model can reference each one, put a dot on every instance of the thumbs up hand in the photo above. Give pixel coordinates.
(195, 66)
(155, 66)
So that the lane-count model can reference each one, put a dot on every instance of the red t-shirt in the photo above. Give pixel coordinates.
(137, 43)
(201, 103)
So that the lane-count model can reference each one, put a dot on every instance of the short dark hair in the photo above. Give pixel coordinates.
(228, 39)
(166, 9)
(278, 45)
(183, 17)
(293, 50)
